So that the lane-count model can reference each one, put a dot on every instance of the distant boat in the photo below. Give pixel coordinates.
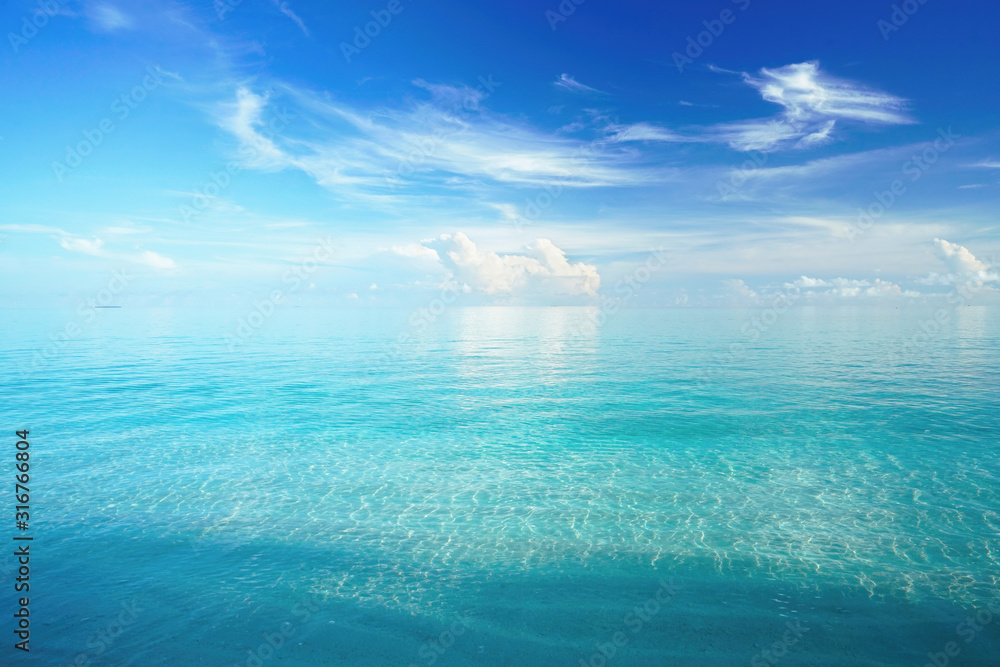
(107, 306)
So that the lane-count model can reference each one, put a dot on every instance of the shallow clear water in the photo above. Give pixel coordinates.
(507, 486)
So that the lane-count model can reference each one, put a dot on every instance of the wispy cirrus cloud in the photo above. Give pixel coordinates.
(813, 104)
(646, 132)
(430, 142)
(566, 82)
(806, 93)
(283, 7)
(95, 246)
(108, 18)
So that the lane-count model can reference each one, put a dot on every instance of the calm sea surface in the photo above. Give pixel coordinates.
(507, 487)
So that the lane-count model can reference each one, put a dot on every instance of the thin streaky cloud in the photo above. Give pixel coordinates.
(806, 92)
(646, 132)
(287, 11)
(812, 101)
(431, 141)
(566, 82)
(108, 18)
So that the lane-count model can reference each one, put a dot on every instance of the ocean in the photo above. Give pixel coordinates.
(507, 486)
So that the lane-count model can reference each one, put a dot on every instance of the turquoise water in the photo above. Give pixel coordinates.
(509, 487)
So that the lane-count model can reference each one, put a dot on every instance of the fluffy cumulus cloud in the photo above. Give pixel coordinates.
(958, 258)
(739, 289)
(542, 272)
(963, 266)
(848, 288)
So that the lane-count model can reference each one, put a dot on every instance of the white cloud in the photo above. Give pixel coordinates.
(432, 142)
(963, 266)
(284, 9)
(806, 93)
(243, 118)
(417, 251)
(81, 245)
(108, 18)
(156, 260)
(958, 258)
(848, 288)
(567, 82)
(96, 248)
(740, 289)
(124, 230)
(820, 136)
(884, 288)
(645, 132)
(509, 212)
(543, 272)
(808, 283)
(813, 101)
(754, 135)
(31, 229)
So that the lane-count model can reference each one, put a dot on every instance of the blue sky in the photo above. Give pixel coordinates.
(523, 152)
